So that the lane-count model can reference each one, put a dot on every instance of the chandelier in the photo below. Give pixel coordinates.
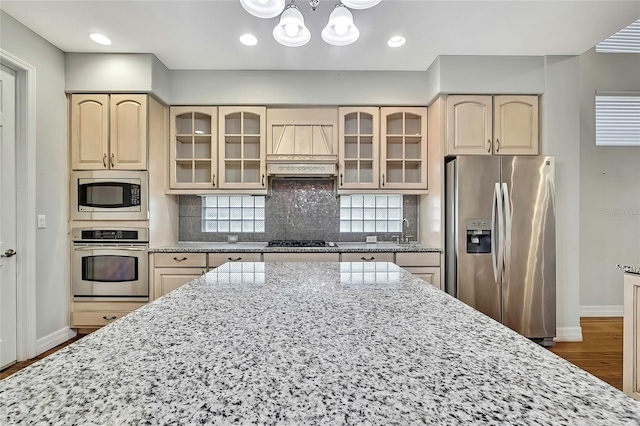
(291, 31)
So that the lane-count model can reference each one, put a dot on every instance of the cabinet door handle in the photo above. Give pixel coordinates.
(112, 160)
(213, 179)
(383, 179)
(488, 145)
(263, 179)
(179, 260)
(234, 260)
(497, 145)
(367, 260)
(109, 319)
(341, 182)
(104, 160)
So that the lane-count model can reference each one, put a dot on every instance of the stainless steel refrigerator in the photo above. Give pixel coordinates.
(500, 240)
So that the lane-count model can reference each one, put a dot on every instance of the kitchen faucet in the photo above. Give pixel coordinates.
(405, 239)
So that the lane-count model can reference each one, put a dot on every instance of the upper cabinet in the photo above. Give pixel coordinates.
(487, 125)
(403, 153)
(359, 147)
(194, 147)
(108, 132)
(242, 147)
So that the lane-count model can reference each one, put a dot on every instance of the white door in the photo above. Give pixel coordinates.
(8, 277)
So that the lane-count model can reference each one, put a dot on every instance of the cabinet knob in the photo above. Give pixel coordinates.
(179, 260)
(488, 145)
(213, 179)
(109, 319)
(497, 145)
(367, 260)
(104, 160)
(238, 259)
(383, 179)
(263, 179)
(112, 160)
(341, 182)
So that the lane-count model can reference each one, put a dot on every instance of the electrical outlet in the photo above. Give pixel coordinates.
(42, 221)
(372, 239)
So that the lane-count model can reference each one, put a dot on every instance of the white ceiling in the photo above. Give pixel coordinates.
(204, 34)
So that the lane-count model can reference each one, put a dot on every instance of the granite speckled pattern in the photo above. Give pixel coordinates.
(309, 343)
(630, 269)
(202, 247)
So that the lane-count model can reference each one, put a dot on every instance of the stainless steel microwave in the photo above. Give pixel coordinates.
(109, 195)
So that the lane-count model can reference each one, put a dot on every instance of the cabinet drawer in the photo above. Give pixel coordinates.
(180, 260)
(367, 257)
(95, 319)
(217, 259)
(418, 259)
(429, 274)
(301, 257)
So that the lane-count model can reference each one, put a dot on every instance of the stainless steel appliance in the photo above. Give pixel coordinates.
(110, 264)
(109, 195)
(500, 240)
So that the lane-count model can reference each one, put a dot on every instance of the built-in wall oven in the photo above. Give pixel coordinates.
(110, 264)
(109, 195)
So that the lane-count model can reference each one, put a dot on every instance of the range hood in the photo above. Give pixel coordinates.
(302, 142)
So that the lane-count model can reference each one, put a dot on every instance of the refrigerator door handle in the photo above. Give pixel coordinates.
(507, 232)
(497, 255)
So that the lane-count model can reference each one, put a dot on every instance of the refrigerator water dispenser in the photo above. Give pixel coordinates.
(478, 236)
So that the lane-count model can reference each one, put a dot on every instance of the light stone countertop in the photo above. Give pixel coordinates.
(309, 343)
(630, 269)
(261, 247)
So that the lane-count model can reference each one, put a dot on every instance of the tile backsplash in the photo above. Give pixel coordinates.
(295, 209)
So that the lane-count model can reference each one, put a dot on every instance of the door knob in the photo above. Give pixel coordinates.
(8, 253)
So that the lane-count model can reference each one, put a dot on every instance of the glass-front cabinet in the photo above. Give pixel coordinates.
(194, 159)
(403, 153)
(359, 137)
(242, 147)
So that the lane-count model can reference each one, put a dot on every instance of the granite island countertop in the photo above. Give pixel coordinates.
(309, 343)
(261, 247)
(630, 269)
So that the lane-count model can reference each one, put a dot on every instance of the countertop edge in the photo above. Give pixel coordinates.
(629, 269)
(262, 248)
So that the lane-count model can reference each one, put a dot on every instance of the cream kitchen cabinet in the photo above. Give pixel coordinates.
(172, 270)
(217, 259)
(242, 147)
(88, 316)
(423, 265)
(302, 257)
(492, 125)
(367, 257)
(193, 148)
(358, 148)
(631, 336)
(403, 152)
(109, 131)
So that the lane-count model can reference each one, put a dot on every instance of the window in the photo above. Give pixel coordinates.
(235, 213)
(627, 40)
(618, 119)
(370, 213)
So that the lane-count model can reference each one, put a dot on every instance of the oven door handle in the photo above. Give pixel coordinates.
(109, 248)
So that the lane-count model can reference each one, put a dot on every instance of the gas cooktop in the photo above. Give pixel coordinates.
(299, 243)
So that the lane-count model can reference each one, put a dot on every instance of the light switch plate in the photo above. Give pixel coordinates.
(42, 221)
(372, 239)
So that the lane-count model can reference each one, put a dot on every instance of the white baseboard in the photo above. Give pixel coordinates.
(601, 311)
(568, 334)
(54, 339)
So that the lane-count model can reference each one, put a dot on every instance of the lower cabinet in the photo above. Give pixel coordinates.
(302, 257)
(367, 257)
(631, 337)
(92, 315)
(423, 265)
(217, 259)
(172, 270)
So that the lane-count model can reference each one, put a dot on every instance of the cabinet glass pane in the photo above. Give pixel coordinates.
(366, 124)
(351, 123)
(412, 172)
(366, 171)
(351, 147)
(350, 172)
(183, 124)
(395, 148)
(412, 150)
(252, 147)
(233, 171)
(394, 172)
(202, 171)
(366, 147)
(202, 147)
(395, 124)
(251, 124)
(184, 147)
(251, 172)
(412, 124)
(232, 123)
(232, 147)
(202, 124)
(184, 171)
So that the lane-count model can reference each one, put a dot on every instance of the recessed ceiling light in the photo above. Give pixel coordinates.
(100, 38)
(248, 40)
(396, 41)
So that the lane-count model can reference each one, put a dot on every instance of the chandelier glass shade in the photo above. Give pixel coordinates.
(340, 31)
(263, 8)
(291, 30)
(360, 4)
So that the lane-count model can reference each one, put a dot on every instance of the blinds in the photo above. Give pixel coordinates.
(627, 40)
(618, 119)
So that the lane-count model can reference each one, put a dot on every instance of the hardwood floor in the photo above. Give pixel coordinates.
(600, 352)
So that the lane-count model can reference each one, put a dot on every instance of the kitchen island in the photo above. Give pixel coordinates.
(308, 343)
